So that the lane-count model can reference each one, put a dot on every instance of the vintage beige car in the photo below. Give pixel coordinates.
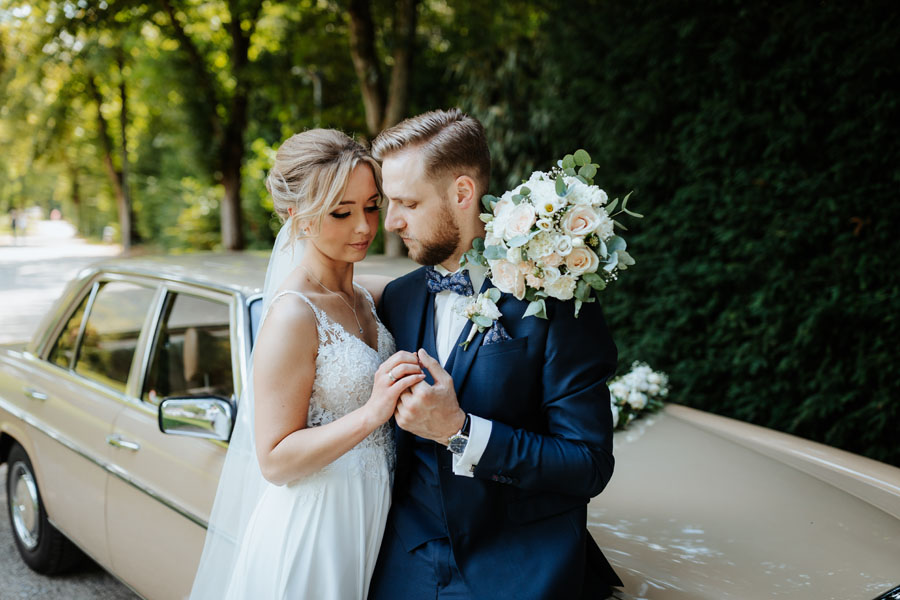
(114, 423)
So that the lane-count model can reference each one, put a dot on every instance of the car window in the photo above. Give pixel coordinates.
(255, 314)
(63, 351)
(111, 332)
(192, 351)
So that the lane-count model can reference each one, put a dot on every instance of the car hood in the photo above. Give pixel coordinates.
(701, 506)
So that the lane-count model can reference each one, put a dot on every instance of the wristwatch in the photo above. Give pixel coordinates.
(458, 441)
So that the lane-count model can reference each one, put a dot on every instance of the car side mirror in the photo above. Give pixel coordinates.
(208, 417)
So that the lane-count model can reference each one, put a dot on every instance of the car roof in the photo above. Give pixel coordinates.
(243, 272)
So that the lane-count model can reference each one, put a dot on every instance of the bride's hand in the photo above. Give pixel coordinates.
(395, 375)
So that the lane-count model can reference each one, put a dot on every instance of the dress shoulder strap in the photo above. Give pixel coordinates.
(328, 329)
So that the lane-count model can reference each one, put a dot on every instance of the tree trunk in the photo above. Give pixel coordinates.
(365, 62)
(115, 177)
(128, 223)
(401, 73)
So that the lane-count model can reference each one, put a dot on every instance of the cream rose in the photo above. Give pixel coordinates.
(551, 274)
(582, 260)
(563, 245)
(520, 220)
(580, 221)
(552, 260)
(563, 288)
(507, 277)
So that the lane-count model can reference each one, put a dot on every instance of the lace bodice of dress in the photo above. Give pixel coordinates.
(345, 368)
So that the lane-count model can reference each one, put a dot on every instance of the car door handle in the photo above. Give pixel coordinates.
(35, 395)
(117, 441)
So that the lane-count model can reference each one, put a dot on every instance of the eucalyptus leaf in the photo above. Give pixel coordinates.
(577, 307)
(478, 244)
(524, 191)
(561, 188)
(611, 206)
(633, 214)
(519, 240)
(625, 260)
(612, 263)
(536, 309)
(616, 243)
(602, 250)
(482, 321)
(625, 199)
(493, 294)
(494, 252)
(568, 162)
(582, 180)
(595, 281)
(582, 290)
(582, 158)
(486, 217)
(517, 198)
(588, 171)
(488, 202)
(570, 171)
(619, 225)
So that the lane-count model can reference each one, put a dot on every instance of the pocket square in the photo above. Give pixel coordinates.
(495, 335)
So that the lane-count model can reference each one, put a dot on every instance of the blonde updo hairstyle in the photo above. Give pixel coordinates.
(310, 176)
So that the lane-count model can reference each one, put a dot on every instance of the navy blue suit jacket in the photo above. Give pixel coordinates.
(518, 528)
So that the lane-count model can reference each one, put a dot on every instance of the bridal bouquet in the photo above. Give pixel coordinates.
(553, 236)
(636, 393)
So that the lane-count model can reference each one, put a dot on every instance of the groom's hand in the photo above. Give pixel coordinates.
(430, 411)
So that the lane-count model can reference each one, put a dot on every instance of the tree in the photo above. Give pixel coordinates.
(230, 100)
(383, 108)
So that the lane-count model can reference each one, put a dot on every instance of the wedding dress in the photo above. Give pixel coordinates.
(317, 537)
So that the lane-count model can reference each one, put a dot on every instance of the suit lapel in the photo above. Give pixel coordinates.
(461, 360)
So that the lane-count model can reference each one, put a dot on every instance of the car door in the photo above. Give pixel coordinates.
(75, 394)
(157, 520)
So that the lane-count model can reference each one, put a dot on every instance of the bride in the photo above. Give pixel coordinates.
(305, 490)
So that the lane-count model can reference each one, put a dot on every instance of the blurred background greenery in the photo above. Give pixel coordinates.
(760, 140)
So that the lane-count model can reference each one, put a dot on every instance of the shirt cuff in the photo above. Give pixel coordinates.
(479, 434)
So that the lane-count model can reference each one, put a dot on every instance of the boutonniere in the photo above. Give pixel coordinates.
(481, 310)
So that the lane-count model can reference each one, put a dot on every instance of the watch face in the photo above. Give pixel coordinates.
(457, 444)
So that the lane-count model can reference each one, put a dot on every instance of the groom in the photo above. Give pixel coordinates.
(501, 448)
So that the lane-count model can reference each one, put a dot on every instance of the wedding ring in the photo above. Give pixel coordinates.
(391, 375)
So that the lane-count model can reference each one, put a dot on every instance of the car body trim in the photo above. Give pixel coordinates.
(108, 467)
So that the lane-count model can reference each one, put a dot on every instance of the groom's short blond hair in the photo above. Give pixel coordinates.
(453, 144)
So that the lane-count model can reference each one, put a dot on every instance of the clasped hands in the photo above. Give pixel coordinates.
(428, 410)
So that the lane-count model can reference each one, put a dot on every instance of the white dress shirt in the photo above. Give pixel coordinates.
(448, 324)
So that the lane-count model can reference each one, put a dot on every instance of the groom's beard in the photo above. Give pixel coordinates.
(442, 244)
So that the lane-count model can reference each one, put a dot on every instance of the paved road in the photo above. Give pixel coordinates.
(33, 272)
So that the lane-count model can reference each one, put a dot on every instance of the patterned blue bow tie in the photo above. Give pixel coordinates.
(458, 283)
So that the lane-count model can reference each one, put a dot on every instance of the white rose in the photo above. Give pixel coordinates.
(563, 245)
(563, 288)
(637, 400)
(653, 389)
(520, 220)
(582, 260)
(580, 221)
(502, 211)
(507, 277)
(551, 274)
(514, 255)
(577, 242)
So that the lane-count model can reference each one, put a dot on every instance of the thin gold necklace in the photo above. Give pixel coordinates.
(353, 308)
